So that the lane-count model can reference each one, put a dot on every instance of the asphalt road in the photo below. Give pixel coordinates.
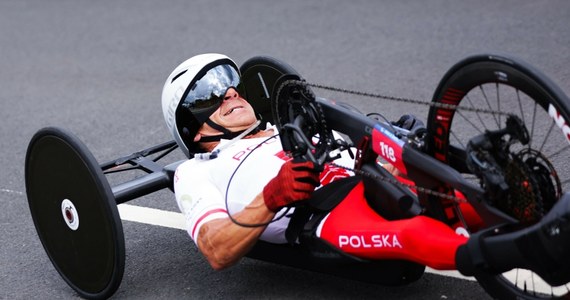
(97, 68)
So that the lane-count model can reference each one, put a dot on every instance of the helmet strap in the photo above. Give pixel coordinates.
(225, 135)
(217, 126)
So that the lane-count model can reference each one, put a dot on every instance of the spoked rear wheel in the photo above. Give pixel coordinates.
(491, 88)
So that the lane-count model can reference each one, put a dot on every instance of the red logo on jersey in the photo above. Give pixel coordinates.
(242, 153)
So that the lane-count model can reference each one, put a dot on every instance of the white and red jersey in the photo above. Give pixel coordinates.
(201, 186)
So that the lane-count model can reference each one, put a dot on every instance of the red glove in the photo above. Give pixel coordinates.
(295, 181)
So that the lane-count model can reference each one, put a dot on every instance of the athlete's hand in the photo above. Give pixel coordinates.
(295, 181)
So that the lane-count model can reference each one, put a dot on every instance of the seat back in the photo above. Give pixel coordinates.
(258, 75)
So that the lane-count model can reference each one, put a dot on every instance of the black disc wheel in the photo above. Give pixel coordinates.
(75, 213)
(487, 89)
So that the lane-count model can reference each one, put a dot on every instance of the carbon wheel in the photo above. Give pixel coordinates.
(259, 75)
(538, 173)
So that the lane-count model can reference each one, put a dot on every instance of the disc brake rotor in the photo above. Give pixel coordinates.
(533, 186)
(545, 175)
(524, 200)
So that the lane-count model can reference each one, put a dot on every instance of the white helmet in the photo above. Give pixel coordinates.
(192, 92)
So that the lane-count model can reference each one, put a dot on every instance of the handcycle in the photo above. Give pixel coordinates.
(486, 176)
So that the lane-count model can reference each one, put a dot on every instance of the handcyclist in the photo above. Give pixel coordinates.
(205, 112)
(237, 174)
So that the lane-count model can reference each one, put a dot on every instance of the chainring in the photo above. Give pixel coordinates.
(300, 121)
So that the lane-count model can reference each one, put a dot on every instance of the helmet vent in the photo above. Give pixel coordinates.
(179, 74)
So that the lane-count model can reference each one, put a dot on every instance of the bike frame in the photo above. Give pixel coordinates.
(423, 170)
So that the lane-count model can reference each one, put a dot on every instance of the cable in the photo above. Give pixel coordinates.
(228, 189)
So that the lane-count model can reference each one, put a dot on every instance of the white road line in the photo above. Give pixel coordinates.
(152, 216)
(454, 274)
(176, 220)
(11, 192)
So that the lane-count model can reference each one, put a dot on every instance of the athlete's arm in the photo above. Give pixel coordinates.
(223, 242)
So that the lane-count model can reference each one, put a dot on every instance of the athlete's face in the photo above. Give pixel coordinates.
(235, 114)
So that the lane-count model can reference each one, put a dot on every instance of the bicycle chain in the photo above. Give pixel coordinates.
(394, 181)
(406, 100)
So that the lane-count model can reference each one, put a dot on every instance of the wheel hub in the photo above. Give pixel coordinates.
(70, 214)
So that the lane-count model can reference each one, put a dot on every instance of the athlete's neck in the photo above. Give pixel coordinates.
(261, 133)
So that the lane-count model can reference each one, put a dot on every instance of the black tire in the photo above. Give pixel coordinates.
(75, 213)
(499, 83)
(259, 75)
